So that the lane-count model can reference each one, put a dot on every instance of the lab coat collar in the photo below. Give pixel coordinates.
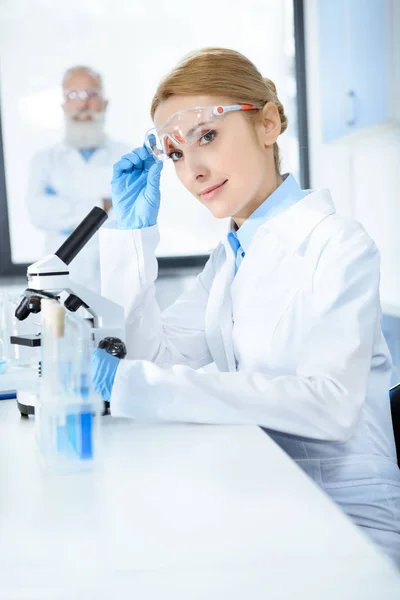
(294, 225)
(286, 195)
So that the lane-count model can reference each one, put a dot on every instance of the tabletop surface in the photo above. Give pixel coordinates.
(176, 512)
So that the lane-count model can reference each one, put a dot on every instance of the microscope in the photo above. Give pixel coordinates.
(50, 278)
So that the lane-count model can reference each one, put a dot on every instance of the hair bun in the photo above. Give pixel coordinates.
(270, 84)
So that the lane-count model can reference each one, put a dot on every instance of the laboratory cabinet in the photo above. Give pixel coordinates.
(356, 54)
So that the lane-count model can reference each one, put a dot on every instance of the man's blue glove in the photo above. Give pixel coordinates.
(136, 189)
(104, 367)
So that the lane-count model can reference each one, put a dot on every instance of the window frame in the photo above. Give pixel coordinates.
(10, 269)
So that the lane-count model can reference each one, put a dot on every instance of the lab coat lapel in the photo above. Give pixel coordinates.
(277, 254)
(219, 316)
(274, 260)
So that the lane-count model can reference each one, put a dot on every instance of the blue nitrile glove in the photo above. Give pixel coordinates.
(136, 189)
(104, 369)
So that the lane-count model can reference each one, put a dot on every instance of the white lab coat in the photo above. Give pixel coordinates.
(79, 185)
(296, 338)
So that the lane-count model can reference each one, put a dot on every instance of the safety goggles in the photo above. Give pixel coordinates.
(82, 95)
(186, 127)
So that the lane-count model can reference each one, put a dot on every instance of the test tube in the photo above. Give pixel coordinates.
(68, 423)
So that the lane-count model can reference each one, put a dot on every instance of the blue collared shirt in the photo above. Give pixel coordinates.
(285, 196)
(87, 153)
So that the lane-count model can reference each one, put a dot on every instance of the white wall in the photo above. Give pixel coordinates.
(133, 43)
(362, 171)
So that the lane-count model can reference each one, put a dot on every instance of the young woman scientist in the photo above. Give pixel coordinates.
(287, 306)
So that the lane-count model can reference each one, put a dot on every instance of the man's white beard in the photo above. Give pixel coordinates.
(85, 134)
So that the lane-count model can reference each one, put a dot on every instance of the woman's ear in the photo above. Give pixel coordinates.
(271, 123)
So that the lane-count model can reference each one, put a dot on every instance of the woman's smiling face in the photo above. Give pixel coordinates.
(230, 167)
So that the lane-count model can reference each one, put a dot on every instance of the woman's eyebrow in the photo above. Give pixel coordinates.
(191, 131)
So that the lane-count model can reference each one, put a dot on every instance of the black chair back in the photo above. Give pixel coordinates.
(395, 406)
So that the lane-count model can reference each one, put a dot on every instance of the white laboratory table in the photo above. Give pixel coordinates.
(176, 512)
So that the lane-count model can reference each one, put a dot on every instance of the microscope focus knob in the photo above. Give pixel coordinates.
(113, 346)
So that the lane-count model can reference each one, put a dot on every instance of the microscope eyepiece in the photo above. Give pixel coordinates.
(81, 235)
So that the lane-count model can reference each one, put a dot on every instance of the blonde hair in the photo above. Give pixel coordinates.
(220, 72)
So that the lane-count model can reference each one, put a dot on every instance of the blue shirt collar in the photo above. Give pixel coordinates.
(87, 153)
(285, 196)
